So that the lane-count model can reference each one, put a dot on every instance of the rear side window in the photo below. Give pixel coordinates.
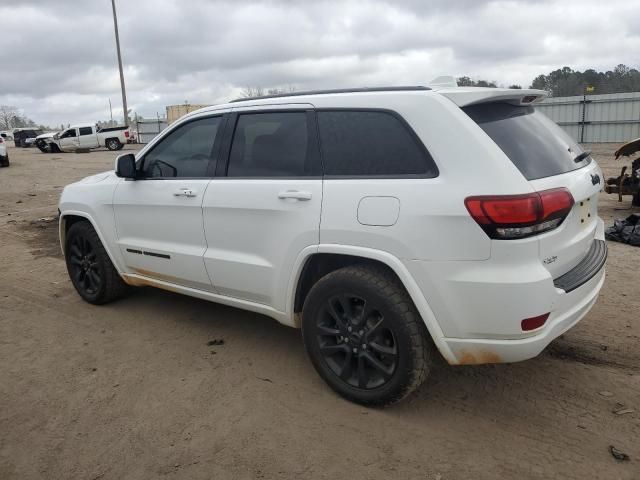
(533, 142)
(274, 144)
(371, 143)
(85, 130)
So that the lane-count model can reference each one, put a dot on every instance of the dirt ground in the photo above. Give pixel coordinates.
(132, 390)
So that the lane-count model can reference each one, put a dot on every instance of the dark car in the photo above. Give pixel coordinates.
(21, 135)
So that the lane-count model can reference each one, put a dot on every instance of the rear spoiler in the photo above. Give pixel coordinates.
(464, 96)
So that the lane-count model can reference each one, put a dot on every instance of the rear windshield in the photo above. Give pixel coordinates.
(534, 143)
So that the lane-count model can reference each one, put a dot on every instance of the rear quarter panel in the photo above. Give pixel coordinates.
(433, 223)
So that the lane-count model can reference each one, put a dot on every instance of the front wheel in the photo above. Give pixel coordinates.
(90, 269)
(43, 146)
(114, 144)
(364, 336)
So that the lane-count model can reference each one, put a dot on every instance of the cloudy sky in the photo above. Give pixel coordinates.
(58, 62)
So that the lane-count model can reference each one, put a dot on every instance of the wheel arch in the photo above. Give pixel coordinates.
(328, 258)
(67, 219)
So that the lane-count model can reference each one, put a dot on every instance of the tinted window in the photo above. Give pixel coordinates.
(370, 143)
(534, 143)
(85, 130)
(69, 133)
(271, 145)
(185, 152)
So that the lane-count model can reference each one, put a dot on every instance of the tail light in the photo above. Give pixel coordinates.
(1, 140)
(507, 217)
(126, 133)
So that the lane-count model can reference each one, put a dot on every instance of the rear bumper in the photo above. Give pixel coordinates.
(569, 309)
(479, 305)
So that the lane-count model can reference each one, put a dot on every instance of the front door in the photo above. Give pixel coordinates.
(159, 216)
(69, 139)
(263, 207)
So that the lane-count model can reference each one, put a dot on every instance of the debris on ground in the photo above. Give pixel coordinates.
(618, 455)
(215, 341)
(623, 411)
(604, 393)
(625, 231)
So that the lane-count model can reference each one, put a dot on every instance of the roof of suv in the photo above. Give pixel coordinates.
(338, 90)
(461, 96)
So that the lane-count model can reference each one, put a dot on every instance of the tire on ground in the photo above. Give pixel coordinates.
(113, 144)
(111, 285)
(414, 346)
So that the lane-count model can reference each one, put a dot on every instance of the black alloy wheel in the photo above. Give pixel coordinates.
(83, 265)
(93, 275)
(364, 336)
(356, 342)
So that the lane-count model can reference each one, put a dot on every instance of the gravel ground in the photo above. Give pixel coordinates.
(132, 390)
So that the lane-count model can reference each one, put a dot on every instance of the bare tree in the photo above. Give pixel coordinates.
(251, 92)
(9, 117)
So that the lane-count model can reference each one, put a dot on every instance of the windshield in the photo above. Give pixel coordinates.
(533, 142)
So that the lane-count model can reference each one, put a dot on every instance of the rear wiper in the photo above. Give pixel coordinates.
(581, 157)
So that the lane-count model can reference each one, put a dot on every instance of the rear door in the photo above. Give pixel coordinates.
(87, 137)
(263, 207)
(549, 158)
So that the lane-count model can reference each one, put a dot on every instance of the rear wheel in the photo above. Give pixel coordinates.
(4, 161)
(89, 266)
(364, 336)
(113, 144)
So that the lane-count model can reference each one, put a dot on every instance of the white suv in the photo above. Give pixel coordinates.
(380, 221)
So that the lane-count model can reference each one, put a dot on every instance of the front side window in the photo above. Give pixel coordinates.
(69, 133)
(271, 145)
(370, 143)
(185, 152)
(85, 131)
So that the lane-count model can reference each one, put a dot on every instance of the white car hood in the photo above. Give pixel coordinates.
(98, 177)
(46, 135)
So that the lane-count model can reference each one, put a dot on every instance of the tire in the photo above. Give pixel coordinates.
(54, 148)
(387, 353)
(89, 266)
(4, 161)
(113, 144)
(43, 146)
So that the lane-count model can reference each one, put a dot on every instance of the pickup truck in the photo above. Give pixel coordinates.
(81, 137)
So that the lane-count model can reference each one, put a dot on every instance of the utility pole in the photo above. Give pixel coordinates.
(124, 93)
(110, 110)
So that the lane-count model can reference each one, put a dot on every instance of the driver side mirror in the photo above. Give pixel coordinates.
(126, 166)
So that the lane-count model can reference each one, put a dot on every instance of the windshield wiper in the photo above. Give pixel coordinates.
(581, 157)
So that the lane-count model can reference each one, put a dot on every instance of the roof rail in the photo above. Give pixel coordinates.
(338, 90)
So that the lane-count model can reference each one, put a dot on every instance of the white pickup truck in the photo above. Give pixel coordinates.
(83, 136)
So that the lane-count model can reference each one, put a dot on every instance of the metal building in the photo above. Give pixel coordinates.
(174, 112)
(147, 129)
(611, 117)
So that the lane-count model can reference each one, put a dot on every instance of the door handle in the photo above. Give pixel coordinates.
(295, 194)
(185, 192)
